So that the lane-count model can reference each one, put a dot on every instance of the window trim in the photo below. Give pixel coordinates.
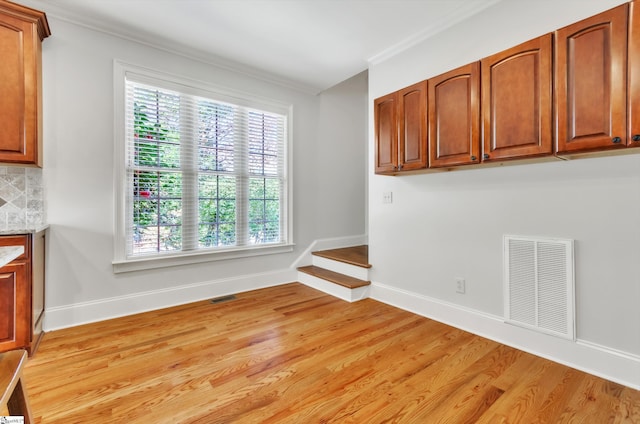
(122, 263)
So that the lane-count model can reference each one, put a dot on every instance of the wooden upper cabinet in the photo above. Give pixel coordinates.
(591, 80)
(454, 117)
(412, 127)
(633, 97)
(517, 102)
(401, 130)
(21, 32)
(386, 133)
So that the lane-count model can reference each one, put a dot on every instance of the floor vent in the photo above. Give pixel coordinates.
(223, 299)
(539, 284)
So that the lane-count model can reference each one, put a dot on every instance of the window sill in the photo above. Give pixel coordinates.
(169, 260)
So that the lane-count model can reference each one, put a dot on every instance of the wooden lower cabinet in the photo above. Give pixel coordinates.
(22, 294)
(14, 312)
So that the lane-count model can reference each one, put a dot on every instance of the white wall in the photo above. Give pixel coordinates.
(448, 225)
(342, 157)
(79, 178)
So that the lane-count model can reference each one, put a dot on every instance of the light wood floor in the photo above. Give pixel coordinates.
(291, 354)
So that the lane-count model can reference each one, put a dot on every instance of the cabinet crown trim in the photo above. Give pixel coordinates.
(27, 14)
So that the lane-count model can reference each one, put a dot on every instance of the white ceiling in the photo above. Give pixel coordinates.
(308, 44)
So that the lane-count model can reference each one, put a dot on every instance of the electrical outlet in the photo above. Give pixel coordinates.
(460, 285)
(387, 197)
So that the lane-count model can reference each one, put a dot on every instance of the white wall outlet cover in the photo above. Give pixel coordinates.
(460, 285)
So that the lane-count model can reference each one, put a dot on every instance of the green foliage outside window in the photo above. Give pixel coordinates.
(157, 205)
(158, 179)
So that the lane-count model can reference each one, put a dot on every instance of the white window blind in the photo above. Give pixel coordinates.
(202, 172)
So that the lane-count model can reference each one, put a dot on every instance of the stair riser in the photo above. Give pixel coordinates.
(341, 267)
(350, 295)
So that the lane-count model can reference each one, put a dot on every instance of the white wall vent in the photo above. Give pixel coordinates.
(539, 284)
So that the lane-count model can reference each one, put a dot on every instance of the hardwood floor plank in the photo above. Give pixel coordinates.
(628, 411)
(291, 354)
(528, 395)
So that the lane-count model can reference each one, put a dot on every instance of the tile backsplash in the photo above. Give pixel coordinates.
(21, 198)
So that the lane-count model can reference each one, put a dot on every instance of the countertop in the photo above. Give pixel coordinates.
(9, 253)
(15, 231)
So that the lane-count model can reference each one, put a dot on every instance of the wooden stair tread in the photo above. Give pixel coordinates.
(334, 277)
(356, 255)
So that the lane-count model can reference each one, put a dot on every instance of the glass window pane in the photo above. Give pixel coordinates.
(169, 155)
(146, 153)
(170, 238)
(145, 240)
(170, 185)
(227, 188)
(272, 188)
(227, 211)
(227, 234)
(156, 117)
(208, 186)
(272, 232)
(171, 212)
(208, 235)
(208, 159)
(272, 210)
(208, 211)
(216, 136)
(145, 185)
(145, 212)
(161, 157)
(256, 188)
(256, 210)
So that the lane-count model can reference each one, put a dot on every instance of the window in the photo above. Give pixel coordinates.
(202, 172)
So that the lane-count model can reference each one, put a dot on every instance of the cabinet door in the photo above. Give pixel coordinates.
(412, 123)
(516, 101)
(19, 84)
(633, 97)
(15, 297)
(454, 117)
(386, 133)
(591, 80)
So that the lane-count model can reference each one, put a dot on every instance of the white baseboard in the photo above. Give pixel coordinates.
(114, 307)
(611, 364)
(103, 309)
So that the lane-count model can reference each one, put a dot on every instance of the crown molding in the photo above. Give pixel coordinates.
(123, 32)
(446, 22)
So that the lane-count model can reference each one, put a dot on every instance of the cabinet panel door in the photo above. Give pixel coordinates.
(516, 101)
(591, 79)
(454, 117)
(386, 133)
(633, 97)
(15, 298)
(19, 82)
(412, 108)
